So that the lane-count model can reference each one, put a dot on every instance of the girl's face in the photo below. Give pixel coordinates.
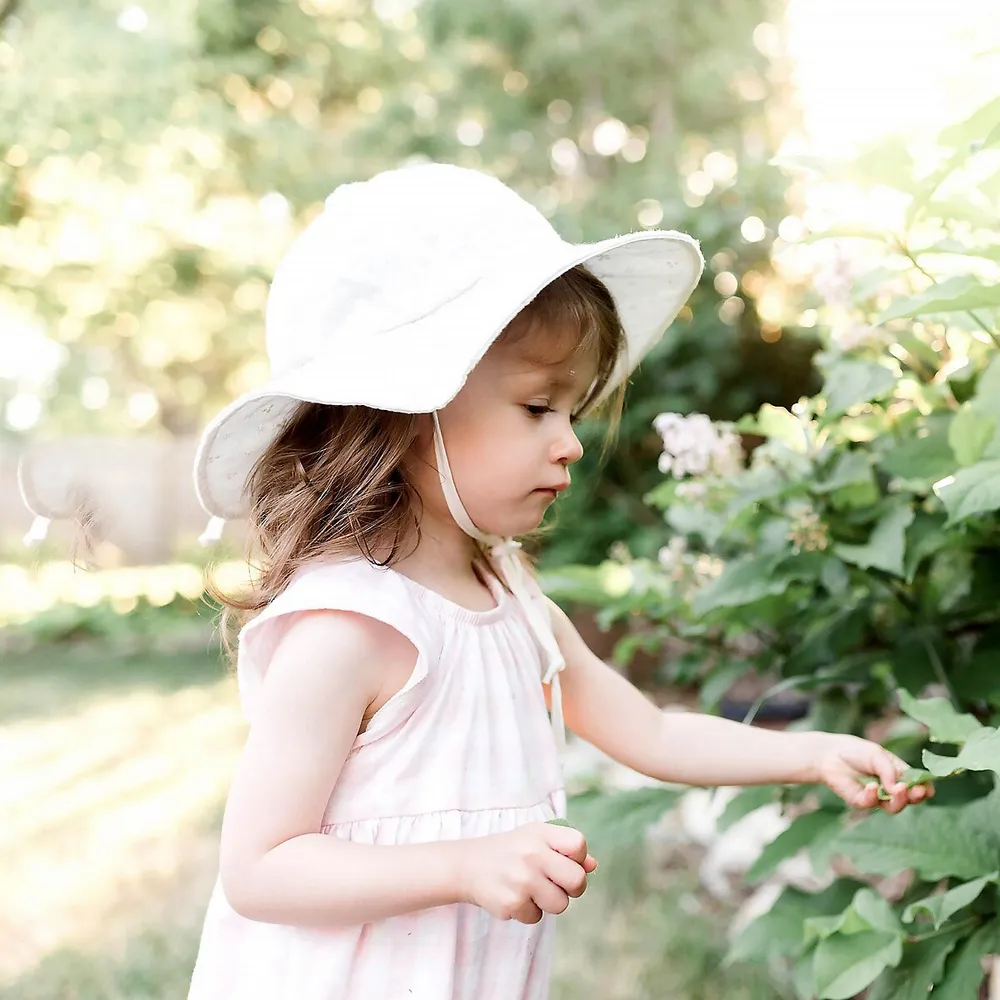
(509, 432)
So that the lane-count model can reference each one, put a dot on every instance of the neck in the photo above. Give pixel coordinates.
(443, 551)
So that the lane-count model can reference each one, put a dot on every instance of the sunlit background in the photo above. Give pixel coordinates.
(153, 165)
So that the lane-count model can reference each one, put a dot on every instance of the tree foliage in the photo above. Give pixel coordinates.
(153, 167)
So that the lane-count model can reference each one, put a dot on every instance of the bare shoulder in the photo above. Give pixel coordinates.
(326, 651)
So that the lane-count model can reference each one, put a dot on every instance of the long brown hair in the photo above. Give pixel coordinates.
(332, 482)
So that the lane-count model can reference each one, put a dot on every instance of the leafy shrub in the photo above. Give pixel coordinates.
(854, 556)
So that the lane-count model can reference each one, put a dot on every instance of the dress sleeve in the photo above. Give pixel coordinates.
(355, 586)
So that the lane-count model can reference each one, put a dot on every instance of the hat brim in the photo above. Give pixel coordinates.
(650, 275)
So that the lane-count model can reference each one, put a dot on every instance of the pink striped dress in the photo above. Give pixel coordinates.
(464, 749)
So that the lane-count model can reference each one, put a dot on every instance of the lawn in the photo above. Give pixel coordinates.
(113, 771)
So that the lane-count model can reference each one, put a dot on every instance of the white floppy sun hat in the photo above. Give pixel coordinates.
(391, 296)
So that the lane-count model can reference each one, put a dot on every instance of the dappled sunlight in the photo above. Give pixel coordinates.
(101, 805)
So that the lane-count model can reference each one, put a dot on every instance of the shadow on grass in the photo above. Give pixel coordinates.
(51, 680)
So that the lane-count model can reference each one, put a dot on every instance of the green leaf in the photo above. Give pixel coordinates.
(943, 905)
(946, 725)
(868, 911)
(719, 681)
(583, 584)
(923, 458)
(987, 398)
(691, 519)
(743, 803)
(922, 966)
(885, 547)
(910, 777)
(851, 484)
(834, 577)
(923, 538)
(936, 841)
(777, 423)
(964, 972)
(918, 348)
(801, 833)
(778, 932)
(851, 381)
(957, 294)
(844, 964)
(977, 126)
(980, 753)
(852, 467)
(969, 434)
(975, 490)
(743, 581)
(961, 249)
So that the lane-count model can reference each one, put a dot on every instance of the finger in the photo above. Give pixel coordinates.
(590, 864)
(893, 805)
(850, 791)
(567, 841)
(529, 913)
(899, 798)
(884, 765)
(870, 795)
(549, 897)
(565, 873)
(918, 793)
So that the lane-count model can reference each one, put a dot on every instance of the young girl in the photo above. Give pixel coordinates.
(432, 343)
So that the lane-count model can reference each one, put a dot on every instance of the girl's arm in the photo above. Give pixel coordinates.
(274, 864)
(696, 749)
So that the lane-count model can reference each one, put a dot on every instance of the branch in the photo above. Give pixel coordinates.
(968, 312)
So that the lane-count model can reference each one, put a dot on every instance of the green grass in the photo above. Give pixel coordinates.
(113, 772)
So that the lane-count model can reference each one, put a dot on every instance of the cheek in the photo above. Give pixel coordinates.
(494, 459)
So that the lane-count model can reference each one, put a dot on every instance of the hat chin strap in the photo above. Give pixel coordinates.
(522, 584)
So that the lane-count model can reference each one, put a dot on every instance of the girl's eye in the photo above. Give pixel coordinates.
(537, 409)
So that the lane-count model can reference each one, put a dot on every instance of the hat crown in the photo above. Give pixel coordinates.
(386, 251)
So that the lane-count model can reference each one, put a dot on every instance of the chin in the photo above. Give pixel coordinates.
(513, 527)
(518, 519)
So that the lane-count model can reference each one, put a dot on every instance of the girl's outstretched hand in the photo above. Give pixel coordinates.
(846, 764)
(526, 872)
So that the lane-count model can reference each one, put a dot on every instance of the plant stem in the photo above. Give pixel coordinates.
(947, 929)
(975, 319)
(939, 671)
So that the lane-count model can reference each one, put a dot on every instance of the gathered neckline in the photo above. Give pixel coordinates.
(459, 612)
(444, 606)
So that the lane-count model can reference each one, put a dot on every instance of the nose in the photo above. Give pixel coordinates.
(568, 448)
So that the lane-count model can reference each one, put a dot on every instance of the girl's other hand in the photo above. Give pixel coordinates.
(529, 871)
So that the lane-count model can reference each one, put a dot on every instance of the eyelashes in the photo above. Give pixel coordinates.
(538, 410)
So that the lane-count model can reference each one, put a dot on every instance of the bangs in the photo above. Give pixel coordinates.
(573, 316)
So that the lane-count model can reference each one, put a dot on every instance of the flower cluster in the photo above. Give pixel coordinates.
(684, 566)
(852, 335)
(807, 530)
(835, 275)
(695, 446)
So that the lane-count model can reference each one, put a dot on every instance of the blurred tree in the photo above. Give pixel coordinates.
(155, 165)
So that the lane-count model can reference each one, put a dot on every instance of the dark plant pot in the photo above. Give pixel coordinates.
(779, 709)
